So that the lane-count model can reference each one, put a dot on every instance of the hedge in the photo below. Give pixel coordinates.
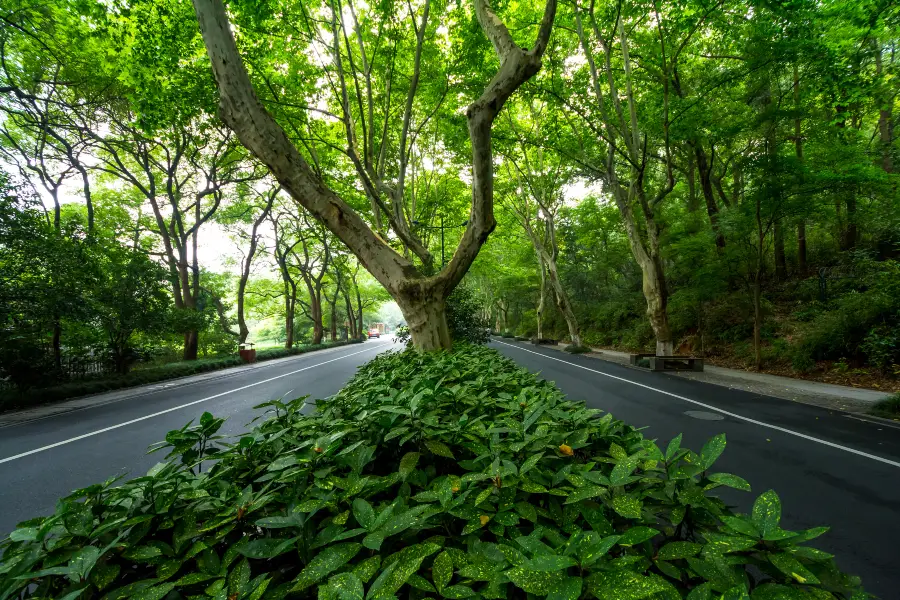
(10, 399)
(454, 475)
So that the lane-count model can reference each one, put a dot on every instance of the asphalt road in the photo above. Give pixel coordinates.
(827, 468)
(114, 437)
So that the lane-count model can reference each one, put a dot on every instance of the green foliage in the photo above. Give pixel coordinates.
(575, 349)
(452, 474)
(464, 318)
(888, 408)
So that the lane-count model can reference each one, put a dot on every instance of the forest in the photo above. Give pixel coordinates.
(707, 177)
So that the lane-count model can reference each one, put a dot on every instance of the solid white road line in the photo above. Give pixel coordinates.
(716, 409)
(174, 408)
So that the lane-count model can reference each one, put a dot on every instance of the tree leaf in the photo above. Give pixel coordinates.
(347, 586)
(625, 585)
(712, 450)
(408, 464)
(766, 512)
(534, 582)
(549, 562)
(530, 463)
(439, 448)
(636, 535)
(627, 506)
(676, 550)
(363, 513)
(673, 447)
(567, 589)
(590, 491)
(324, 563)
(442, 570)
(732, 481)
(267, 547)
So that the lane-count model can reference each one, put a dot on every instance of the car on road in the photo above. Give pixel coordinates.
(374, 333)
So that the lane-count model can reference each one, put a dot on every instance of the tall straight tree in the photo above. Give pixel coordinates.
(420, 295)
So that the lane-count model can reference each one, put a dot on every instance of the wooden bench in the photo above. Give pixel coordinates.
(675, 363)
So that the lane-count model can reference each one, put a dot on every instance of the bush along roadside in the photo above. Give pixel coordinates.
(454, 475)
(11, 399)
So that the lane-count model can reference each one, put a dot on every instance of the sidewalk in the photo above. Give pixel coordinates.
(43, 411)
(826, 395)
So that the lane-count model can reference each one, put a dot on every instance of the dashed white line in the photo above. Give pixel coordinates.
(718, 410)
(174, 408)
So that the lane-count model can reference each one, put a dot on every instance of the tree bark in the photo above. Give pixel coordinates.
(704, 168)
(798, 149)
(245, 115)
(778, 245)
(243, 330)
(191, 344)
(540, 306)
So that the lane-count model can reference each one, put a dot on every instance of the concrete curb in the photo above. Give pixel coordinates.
(28, 415)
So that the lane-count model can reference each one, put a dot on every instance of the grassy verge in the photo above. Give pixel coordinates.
(889, 408)
(452, 475)
(12, 399)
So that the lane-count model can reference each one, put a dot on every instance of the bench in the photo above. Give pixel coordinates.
(675, 363)
(635, 359)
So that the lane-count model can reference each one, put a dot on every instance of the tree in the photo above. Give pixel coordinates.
(421, 296)
(128, 297)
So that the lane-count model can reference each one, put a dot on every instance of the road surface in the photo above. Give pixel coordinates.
(827, 468)
(114, 437)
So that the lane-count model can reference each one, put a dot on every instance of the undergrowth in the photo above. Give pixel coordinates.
(454, 475)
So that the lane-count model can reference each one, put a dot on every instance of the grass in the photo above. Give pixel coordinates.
(889, 408)
(12, 399)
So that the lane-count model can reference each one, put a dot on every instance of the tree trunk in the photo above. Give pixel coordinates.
(801, 248)
(57, 346)
(191, 344)
(333, 331)
(562, 301)
(243, 330)
(704, 168)
(757, 321)
(540, 306)
(885, 117)
(780, 261)
(315, 313)
(693, 205)
(427, 321)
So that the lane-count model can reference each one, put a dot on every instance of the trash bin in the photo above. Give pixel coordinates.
(247, 353)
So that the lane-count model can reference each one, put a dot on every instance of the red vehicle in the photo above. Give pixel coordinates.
(374, 333)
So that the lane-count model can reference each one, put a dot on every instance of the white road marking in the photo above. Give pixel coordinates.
(716, 409)
(174, 408)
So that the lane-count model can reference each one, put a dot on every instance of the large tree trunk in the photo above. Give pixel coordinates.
(885, 116)
(653, 281)
(242, 111)
(426, 318)
(798, 148)
(801, 248)
(191, 344)
(333, 331)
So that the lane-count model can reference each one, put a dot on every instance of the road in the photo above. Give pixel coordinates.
(827, 468)
(95, 443)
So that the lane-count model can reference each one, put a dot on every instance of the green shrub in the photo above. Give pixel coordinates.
(888, 408)
(464, 317)
(575, 349)
(456, 472)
